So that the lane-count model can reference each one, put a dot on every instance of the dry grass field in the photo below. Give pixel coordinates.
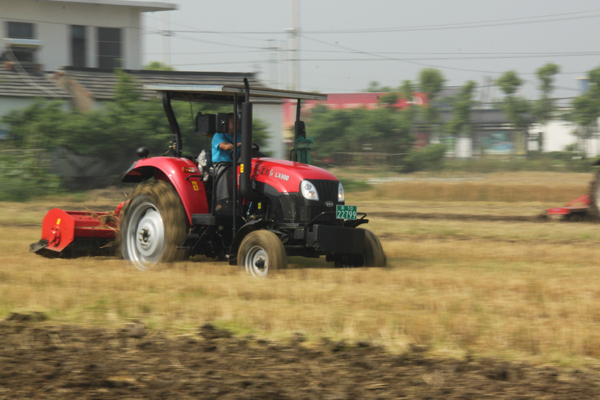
(514, 287)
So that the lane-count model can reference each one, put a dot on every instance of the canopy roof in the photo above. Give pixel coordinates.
(226, 93)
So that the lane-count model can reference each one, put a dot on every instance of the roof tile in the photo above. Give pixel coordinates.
(28, 84)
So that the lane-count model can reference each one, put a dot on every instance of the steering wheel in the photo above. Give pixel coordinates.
(255, 147)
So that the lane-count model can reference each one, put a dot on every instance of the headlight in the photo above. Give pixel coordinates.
(309, 191)
(341, 196)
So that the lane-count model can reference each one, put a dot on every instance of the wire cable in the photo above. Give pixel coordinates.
(459, 25)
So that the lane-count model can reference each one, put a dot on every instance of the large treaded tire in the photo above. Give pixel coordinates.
(154, 224)
(372, 256)
(261, 252)
(594, 211)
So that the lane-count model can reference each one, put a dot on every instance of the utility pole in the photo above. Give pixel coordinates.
(294, 52)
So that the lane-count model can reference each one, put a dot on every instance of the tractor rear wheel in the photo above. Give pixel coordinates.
(595, 196)
(260, 252)
(372, 255)
(154, 224)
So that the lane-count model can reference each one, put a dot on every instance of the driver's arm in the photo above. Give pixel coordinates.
(227, 146)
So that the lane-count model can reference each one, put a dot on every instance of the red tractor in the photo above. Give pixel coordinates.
(274, 209)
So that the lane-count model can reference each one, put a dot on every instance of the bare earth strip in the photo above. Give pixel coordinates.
(66, 362)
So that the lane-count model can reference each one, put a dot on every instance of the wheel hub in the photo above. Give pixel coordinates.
(144, 237)
(147, 236)
(257, 262)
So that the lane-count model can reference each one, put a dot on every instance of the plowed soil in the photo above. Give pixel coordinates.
(65, 362)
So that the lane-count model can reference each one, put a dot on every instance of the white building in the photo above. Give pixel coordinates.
(560, 134)
(77, 33)
(79, 43)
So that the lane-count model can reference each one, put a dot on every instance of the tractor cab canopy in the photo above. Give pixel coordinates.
(228, 93)
(237, 95)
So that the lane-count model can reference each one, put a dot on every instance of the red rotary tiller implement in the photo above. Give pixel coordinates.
(77, 232)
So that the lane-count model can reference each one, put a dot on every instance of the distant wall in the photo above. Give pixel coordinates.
(559, 134)
(7, 104)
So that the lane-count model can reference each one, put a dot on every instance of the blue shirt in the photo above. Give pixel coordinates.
(218, 154)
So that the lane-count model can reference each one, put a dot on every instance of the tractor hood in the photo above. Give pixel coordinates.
(285, 176)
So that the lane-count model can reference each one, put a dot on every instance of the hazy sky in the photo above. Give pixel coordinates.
(345, 44)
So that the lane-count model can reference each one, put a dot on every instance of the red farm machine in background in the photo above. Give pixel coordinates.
(586, 206)
(254, 211)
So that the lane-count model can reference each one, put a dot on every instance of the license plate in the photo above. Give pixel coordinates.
(345, 212)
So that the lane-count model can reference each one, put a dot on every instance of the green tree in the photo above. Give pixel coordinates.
(408, 115)
(586, 108)
(24, 167)
(126, 123)
(158, 66)
(462, 105)
(545, 107)
(516, 108)
(431, 82)
(380, 130)
(113, 132)
(375, 87)
(389, 100)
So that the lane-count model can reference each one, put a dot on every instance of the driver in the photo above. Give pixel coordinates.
(222, 157)
(222, 144)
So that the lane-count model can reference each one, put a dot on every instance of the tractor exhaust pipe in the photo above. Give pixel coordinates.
(246, 147)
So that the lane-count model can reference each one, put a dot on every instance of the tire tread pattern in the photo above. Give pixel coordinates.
(176, 225)
(270, 243)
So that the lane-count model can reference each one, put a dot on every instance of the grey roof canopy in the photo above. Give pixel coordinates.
(100, 84)
(226, 93)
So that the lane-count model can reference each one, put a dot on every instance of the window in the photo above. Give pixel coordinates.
(109, 48)
(78, 49)
(20, 30)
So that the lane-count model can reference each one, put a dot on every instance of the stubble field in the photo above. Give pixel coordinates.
(474, 274)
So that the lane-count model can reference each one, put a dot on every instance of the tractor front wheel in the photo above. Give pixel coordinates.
(154, 224)
(260, 252)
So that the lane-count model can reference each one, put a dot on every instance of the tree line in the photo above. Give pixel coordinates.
(383, 136)
(389, 130)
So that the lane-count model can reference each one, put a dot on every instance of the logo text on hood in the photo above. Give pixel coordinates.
(279, 175)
